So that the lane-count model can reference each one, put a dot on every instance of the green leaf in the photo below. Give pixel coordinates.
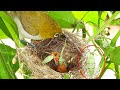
(4, 28)
(99, 40)
(115, 22)
(7, 69)
(47, 59)
(103, 17)
(6, 17)
(66, 19)
(15, 36)
(103, 26)
(79, 14)
(89, 16)
(12, 31)
(2, 35)
(9, 28)
(108, 50)
(94, 18)
(111, 66)
(113, 41)
(66, 76)
(115, 56)
(117, 74)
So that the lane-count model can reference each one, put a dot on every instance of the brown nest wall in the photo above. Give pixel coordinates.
(33, 57)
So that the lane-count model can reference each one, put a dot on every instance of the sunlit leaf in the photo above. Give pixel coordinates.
(89, 16)
(79, 14)
(66, 19)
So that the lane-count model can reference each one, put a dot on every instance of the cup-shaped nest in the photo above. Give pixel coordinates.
(69, 43)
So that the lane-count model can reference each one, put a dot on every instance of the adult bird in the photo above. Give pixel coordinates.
(35, 25)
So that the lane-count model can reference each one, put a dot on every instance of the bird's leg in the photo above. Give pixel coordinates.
(27, 43)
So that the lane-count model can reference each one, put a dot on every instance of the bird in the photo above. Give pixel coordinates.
(61, 66)
(35, 25)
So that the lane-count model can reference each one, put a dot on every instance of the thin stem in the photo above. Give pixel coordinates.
(63, 49)
(105, 69)
(93, 43)
(99, 18)
(117, 71)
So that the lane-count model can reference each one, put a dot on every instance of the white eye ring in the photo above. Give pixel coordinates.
(57, 35)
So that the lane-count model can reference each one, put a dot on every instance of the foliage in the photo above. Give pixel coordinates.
(7, 69)
(66, 19)
(114, 56)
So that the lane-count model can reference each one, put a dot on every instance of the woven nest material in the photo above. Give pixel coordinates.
(33, 57)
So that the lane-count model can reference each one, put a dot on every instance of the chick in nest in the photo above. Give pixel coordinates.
(54, 46)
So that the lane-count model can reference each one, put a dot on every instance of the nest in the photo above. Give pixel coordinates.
(33, 57)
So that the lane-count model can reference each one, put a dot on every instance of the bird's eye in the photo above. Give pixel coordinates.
(57, 35)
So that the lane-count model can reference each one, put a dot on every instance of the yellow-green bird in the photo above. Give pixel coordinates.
(36, 25)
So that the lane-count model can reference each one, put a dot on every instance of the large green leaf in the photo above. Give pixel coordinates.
(4, 28)
(12, 32)
(109, 49)
(7, 69)
(89, 16)
(65, 18)
(9, 28)
(6, 17)
(115, 56)
(93, 18)
(79, 14)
